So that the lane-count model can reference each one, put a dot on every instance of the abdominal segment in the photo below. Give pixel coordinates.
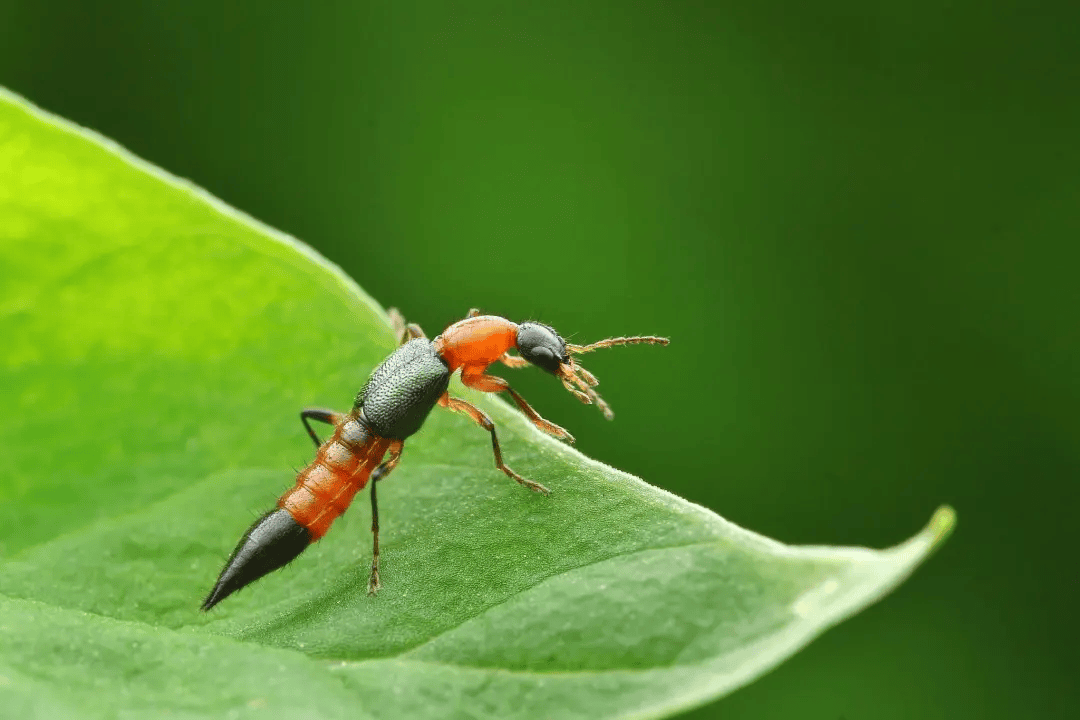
(322, 492)
(326, 487)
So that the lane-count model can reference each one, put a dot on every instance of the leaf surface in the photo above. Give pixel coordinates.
(158, 346)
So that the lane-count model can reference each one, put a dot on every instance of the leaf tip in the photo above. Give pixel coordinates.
(941, 525)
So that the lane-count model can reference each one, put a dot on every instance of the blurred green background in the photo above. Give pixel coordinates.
(857, 222)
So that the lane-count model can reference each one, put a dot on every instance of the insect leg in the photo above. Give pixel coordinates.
(397, 322)
(378, 474)
(403, 331)
(513, 361)
(481, 419)
(494, 384)
(322, 415)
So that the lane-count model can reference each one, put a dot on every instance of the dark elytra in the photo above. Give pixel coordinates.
(402, 391)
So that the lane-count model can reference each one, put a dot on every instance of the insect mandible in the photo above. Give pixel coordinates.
(392, 405)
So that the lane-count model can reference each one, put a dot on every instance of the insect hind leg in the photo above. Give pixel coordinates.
(330, 417)
(378, 474)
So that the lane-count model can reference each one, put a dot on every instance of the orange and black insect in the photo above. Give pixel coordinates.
(394, 403)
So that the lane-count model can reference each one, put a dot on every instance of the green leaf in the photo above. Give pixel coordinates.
(157, 347)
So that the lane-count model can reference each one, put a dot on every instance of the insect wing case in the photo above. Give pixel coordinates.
(402, 391)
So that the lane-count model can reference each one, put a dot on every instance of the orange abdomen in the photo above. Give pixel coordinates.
(326, 487)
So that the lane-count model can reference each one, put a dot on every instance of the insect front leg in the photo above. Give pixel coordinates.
(493, 384)
(513, 361)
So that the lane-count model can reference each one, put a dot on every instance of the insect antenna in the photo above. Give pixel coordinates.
(581, 382)
(611, 342)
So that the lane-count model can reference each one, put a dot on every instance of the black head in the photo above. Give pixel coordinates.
(542, 346)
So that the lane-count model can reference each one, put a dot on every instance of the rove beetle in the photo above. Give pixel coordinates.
(392, 405)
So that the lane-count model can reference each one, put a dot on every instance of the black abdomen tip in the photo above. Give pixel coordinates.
(273, 541)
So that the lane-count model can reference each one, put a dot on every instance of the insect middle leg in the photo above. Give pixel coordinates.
(494, 384)
(322, 415)
(403, 331)
(378, 474)
(481, 419)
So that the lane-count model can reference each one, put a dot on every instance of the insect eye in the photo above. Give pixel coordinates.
(541, 346)
(543, 358)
